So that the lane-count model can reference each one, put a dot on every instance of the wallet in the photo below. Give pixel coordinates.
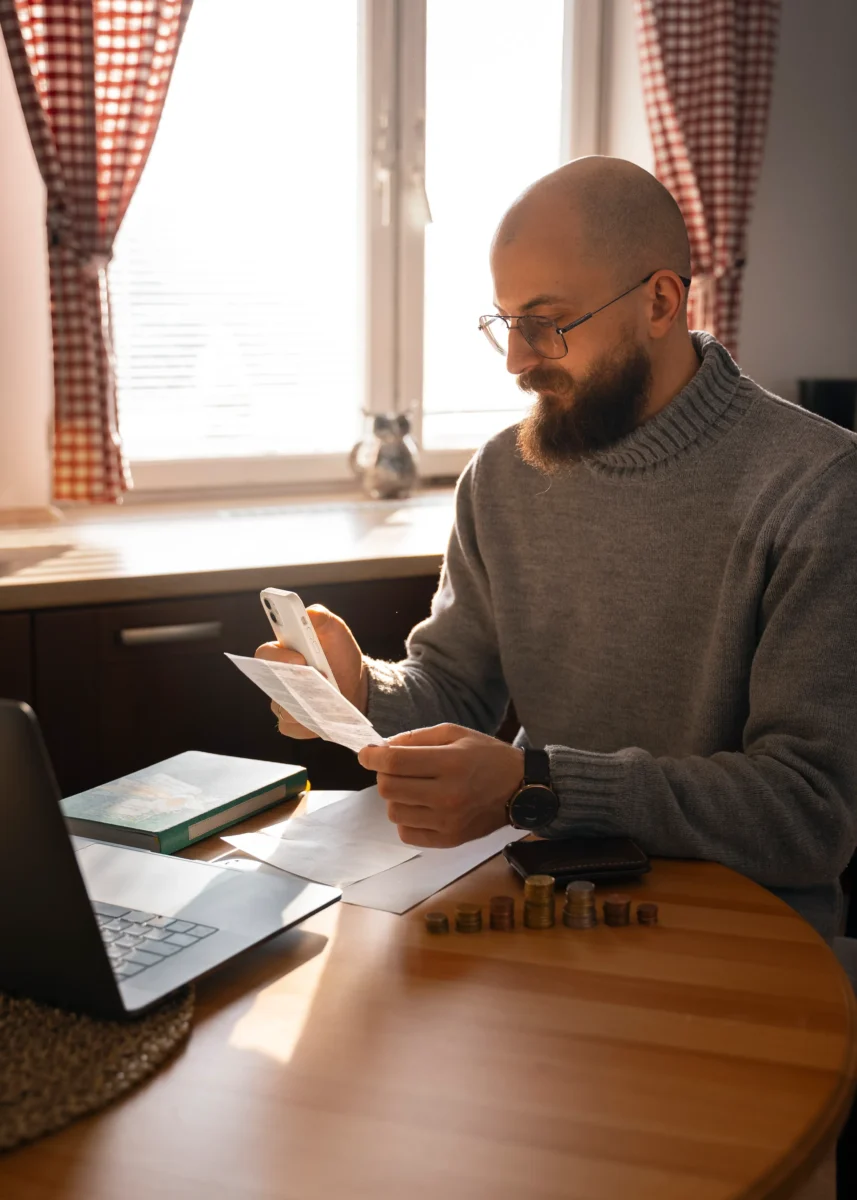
(597, 858)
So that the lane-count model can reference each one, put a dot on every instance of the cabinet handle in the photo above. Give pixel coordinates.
(153, 635)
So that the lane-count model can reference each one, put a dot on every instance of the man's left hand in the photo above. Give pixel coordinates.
(445, 785)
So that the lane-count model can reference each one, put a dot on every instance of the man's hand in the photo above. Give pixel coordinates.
(445, 785)
(341, 651)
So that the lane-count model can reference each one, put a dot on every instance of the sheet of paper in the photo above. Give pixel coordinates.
(311, 700)
(354, 815)
(340, 843)
(336, 860)
(403, 886)
(364, 814)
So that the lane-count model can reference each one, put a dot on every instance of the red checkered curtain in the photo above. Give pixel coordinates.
(92, 78)
(707, 68)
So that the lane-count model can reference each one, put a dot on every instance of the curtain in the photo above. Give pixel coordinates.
(707, 68)
(92, 76)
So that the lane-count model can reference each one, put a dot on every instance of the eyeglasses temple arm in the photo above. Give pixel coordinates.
(586, 317)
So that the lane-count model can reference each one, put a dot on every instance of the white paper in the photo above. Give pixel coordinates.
(336, 861)
(339, 843)
(309, 699)
(402, 887)
(419, 875)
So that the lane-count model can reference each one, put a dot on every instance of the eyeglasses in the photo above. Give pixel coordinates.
(541, 333)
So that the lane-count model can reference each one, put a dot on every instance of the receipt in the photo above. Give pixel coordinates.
(309, 698)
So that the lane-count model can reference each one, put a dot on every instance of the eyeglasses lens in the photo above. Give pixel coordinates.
(542, 336)
(537, 332)
(497, 333)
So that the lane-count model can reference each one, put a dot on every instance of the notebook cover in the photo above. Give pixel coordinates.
(162, 801)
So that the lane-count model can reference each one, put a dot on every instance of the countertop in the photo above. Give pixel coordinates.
(161, 551)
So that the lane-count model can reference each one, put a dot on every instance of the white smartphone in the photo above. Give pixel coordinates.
(293, 628)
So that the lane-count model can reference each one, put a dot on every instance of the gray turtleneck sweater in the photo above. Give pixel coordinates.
(675, 619)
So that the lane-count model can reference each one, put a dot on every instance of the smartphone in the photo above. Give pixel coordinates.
(595, 858)
(293, 628)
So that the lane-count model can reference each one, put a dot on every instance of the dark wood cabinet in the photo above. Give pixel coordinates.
(16, 681)
(121, 686)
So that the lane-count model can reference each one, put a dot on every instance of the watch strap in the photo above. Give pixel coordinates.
(537, 767)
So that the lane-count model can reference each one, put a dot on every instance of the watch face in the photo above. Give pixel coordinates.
(533, 807)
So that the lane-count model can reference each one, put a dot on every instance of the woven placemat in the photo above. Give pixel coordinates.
(56, 1066)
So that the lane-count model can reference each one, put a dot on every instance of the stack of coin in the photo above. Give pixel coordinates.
(437, 922)
(539, 910)
(647, 913)
(468, 918)
(617, 909)
(502, 912)
(579, 911)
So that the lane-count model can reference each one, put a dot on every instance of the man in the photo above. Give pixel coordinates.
(658, 565)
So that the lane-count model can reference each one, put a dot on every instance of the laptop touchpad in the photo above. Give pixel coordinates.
(168, 886)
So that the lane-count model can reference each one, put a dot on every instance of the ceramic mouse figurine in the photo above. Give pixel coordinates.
(386, 459)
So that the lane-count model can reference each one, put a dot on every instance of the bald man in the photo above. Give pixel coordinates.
(658, 565)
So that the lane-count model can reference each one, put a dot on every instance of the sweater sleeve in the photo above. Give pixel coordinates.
(784, 809)
(452, 671)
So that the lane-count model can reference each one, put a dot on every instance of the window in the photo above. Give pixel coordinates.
(276, 276)
(493, 123)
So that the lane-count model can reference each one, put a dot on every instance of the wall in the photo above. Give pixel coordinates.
(25, 339)
(800, 297)
(799, 316)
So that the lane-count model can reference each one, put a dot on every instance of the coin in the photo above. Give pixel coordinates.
(617, 909)
(539, 916)
(539, 888)
(437, 922)
(502, 912)
(584, 921)
(647, 913)
(468, 918)
(579, 911)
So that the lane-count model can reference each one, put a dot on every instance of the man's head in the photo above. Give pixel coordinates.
(573, 241)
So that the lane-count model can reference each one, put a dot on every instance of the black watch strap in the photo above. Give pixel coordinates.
(537, 767)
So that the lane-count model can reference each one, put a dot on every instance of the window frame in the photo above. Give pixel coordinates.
(393, 120)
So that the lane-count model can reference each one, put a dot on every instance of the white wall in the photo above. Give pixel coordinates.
(799, 314)
(800, 296)
(25, 339)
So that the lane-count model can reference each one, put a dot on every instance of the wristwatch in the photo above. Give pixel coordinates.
(535, 804)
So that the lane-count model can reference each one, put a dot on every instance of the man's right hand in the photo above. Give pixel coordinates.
(341, 651)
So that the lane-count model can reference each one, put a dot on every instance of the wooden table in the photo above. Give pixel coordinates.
(709, 1057)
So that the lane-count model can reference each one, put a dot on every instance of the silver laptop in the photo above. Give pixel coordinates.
(109, 930)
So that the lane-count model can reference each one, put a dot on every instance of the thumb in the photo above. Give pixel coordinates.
(319, 615)
(432, 735)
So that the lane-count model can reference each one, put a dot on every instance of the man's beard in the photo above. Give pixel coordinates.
(571, 419)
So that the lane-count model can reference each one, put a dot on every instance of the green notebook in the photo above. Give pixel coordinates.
(178, 801)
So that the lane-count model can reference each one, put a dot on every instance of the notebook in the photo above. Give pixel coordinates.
(173, 803)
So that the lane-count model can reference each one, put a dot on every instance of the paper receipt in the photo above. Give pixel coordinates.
(309, 698)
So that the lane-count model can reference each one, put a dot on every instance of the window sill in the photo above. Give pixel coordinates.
(160, 549)
(305, 474)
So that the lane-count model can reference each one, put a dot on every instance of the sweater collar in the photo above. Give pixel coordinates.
(706, 408)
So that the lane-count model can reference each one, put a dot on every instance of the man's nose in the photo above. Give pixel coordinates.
(520, 356)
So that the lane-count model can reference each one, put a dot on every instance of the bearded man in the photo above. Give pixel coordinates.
(658, 566)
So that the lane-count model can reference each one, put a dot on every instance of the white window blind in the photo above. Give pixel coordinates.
(236, 273)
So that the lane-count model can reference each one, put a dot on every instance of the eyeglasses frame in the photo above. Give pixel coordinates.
(562, 330)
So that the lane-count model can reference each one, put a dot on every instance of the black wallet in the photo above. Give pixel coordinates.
(596, 858)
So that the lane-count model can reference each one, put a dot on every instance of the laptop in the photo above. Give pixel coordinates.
(109, 930)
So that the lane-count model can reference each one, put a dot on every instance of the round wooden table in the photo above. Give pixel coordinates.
(711, 1056)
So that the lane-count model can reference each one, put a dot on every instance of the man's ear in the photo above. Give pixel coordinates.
(666, 302)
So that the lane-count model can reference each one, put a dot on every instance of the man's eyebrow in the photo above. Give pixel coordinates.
(537, 301)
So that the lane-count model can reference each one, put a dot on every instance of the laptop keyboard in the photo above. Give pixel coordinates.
(136, 940)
